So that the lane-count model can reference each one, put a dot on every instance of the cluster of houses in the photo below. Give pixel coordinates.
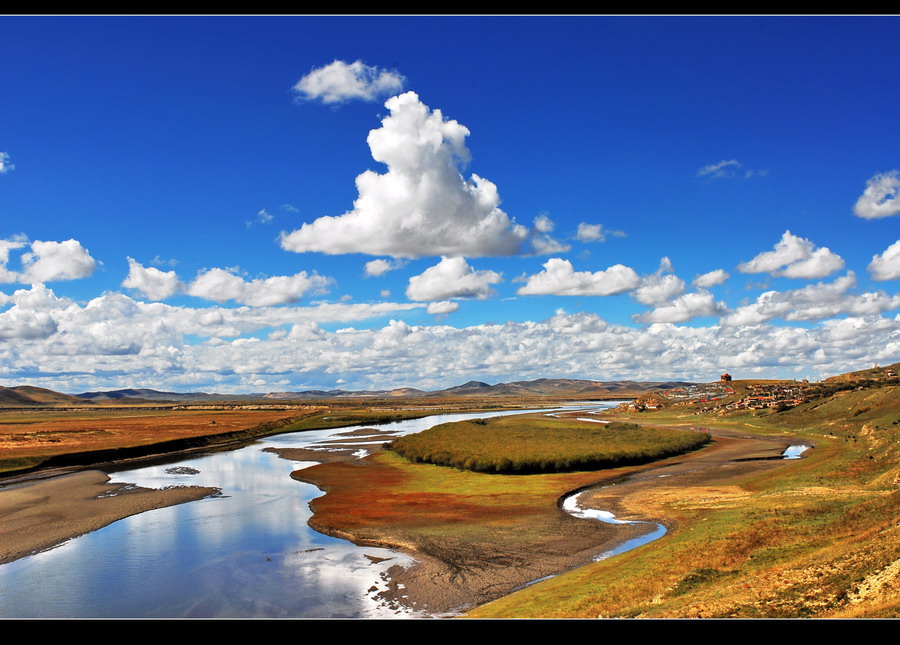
(706, 397)
(779, 395)
(701, 393)
(761, 396)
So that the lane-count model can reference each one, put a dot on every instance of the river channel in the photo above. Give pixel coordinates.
(247, 552)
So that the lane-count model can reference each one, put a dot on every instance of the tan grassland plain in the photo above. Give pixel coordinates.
(29, 437)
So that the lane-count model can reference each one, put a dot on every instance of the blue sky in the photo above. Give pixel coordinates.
(192, 202)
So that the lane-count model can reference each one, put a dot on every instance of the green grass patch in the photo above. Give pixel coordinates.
(526, 445)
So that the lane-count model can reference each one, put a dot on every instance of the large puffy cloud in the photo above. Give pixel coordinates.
(813, 302)
(151, 282)
(659, 287)
(881, 198)
(794, 257)
(684, 308)
(5, 164)
(560, 279)
(21, 323)
(339, 82)
(222, 285)
(887, 265)
(51, 261)
(422, 205)
(452, 278)
(32, 313)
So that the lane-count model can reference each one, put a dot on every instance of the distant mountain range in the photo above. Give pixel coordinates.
(540, 387)
(27, 395)
(145, 394)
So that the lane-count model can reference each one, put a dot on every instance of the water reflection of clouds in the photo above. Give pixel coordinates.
(570, 505)
(246, 553)
(795, 451)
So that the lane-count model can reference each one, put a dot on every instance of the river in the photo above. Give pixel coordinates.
(247, 552)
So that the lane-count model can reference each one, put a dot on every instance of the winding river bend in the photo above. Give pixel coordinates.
(245, 553)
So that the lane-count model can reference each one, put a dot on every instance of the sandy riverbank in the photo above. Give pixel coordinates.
(37, 515)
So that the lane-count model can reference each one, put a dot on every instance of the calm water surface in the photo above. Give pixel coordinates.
(246, 553)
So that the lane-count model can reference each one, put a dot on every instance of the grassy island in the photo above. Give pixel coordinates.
(523, 445)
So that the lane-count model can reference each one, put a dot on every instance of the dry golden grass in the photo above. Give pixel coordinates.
(819, 537)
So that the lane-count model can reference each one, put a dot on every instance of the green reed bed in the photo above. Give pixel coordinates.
(524, 445)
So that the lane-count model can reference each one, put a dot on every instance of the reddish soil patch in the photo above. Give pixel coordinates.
(55, 432)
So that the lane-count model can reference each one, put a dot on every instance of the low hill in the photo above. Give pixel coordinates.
(873, 373)
(31, 395)
(143, 395)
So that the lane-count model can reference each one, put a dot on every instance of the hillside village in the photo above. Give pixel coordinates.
(728, 395)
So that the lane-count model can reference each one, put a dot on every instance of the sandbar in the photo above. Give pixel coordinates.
(39, 514)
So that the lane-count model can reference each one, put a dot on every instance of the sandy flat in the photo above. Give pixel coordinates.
(37, 515)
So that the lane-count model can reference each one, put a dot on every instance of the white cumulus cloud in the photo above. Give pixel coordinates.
(813, 302)
(452, 278)
(221, 285)
(543, 223)
(660, 286)
(711, 279)
(151, 282)
(560, 279)
(594, 233)
(541, 241)
(881, 198)
(543, 244)
(50, 261)
(380, 266)
(19, 324)
(887, 265)
(684, 308)
(442, 307)
(422, 205)
(339, 82)
(794, 257)
(5, 164)
(664, 291)
(262, 217)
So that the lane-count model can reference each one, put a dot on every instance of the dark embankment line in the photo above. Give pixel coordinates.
(107, 455)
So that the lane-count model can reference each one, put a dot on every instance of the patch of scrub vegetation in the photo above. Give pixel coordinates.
(697, 578)
(524, 445)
